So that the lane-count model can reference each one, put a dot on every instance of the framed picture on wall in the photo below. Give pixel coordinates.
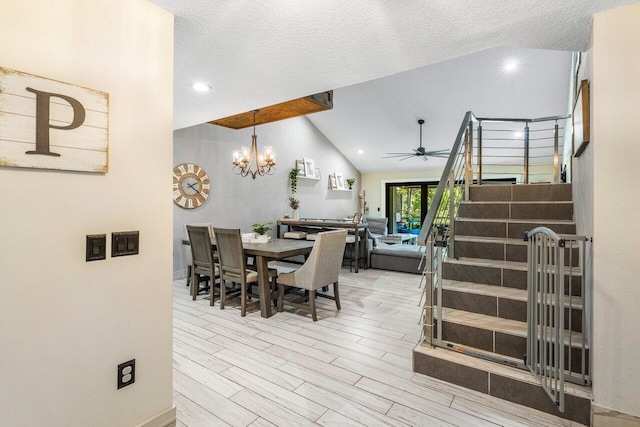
(339, 182)
(580, 119)
(333, 184)
(310, 168)
(300, 167)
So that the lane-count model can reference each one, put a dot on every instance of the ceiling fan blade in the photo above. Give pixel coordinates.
(392, 155)
(408, 157)
(438, 153)
(425, 158)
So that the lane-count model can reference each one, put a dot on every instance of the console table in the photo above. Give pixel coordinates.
(320, 224)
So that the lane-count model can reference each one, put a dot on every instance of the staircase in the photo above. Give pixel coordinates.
(484, 298)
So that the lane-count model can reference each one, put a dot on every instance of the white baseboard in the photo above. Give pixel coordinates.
(605, 417)
(163, 419)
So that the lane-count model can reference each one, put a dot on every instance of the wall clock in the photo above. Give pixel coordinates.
(191, 185)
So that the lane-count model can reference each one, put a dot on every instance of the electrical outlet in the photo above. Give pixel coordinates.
(126, 373)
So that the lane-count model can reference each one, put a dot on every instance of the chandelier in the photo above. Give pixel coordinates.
(250, 162)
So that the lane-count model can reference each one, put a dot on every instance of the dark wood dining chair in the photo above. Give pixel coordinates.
(187, 249)
(233, 266)
(321, 269)
(202, 259)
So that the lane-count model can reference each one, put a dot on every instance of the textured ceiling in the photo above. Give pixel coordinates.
(255, 54)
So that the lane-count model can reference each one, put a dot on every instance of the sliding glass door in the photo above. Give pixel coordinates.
(407, 205)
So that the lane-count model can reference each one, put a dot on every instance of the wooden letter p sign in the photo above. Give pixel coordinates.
(49, 124)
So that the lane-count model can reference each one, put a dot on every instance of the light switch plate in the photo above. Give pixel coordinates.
(125, 243)
(96, 247)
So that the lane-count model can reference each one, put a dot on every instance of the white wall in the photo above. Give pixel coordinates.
(236, 202)
(66, 324)
(616, 152)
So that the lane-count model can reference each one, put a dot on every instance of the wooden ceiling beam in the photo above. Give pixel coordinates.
(285, 110)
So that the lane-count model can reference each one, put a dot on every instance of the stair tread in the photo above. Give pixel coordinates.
(516, 202)
(480, 239)
(498, 324)
(481, 289)
(482, 262)
(504, 240)
(499, 291)
(519, 221)
(495, 368)
(510, 265)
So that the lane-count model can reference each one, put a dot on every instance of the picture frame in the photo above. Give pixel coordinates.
(340, 182)
(332, 182)
(310, 168)
(580, 119)
(300, 167)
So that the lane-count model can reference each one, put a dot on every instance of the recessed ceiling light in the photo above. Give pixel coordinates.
(360, 151)
(201, 87)
(511, 65)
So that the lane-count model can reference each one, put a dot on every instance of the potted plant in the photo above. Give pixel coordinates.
(350, 182)
(262, 228)
(294, 204)
(293, 176)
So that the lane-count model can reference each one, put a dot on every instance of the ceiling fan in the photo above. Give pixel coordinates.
(420, 151)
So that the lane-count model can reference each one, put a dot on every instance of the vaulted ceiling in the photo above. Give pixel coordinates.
(438, 59)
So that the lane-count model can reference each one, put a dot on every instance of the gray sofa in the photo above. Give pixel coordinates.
(404, 258)
(377, 227)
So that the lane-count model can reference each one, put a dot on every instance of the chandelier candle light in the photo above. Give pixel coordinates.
(250, 162)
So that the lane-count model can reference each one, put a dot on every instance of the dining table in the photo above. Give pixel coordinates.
(263, 253)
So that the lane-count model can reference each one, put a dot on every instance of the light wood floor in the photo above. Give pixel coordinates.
(351, 368)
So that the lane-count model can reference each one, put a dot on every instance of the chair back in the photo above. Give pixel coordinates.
(186, 236)
(231, 258)
(201, 254)
(322, 268)
(377, 225)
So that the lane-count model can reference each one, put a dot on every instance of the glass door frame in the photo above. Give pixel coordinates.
(424, 198)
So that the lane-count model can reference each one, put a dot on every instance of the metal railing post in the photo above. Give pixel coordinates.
(480, 153)
(428, 304)
(452, 208)
(467, 163)
(556, 165)
(526, 154)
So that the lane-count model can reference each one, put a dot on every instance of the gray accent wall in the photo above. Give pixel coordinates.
(236, 202)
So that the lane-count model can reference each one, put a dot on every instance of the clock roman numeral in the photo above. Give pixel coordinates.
(190, 204)
(182, 169)
(182, 201)
(176, 194)
(206, 186)
(190, 167)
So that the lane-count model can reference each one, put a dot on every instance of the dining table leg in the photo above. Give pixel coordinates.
(264, 289)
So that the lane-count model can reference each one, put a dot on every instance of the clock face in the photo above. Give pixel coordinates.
(191, 186)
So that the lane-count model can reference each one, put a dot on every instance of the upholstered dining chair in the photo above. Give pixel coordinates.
(202, 259)
(321, 269)
(233, 266)
(187, 249)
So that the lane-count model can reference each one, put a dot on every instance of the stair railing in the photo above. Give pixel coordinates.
(552, 266)
(438, 229)
(517, 143)
(469, 155)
